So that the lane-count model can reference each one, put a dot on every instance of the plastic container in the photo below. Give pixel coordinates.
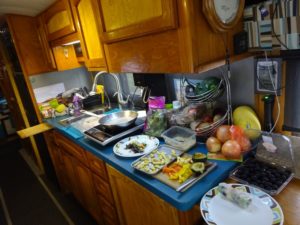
(273, 166)
(179, 137)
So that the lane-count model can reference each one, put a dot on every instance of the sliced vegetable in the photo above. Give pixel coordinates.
(198, 167)
(199, 157)
(136, 146)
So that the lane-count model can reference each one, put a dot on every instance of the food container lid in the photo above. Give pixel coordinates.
(275, 149)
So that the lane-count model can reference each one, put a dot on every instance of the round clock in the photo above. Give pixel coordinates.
(223, 15)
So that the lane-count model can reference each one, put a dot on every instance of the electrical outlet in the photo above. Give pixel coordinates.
(268, 76)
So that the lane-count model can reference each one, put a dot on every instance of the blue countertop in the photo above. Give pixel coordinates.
(182, 201)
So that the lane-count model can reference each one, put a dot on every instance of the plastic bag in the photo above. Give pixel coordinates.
(237, 134)
(156, 122)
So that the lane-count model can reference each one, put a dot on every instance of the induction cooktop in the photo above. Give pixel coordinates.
(104, 135)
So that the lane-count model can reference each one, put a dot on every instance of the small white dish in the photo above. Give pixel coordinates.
(121, 150)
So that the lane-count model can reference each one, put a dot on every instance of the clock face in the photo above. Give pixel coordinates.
(226, 9)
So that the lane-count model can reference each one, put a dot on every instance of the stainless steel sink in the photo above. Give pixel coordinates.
(82, 117)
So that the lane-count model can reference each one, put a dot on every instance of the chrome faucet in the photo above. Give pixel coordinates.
(119, 88)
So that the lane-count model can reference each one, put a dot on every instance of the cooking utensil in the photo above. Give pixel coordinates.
(120, 119)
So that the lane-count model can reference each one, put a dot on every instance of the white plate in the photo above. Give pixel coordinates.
(120, 148)
(264, 210)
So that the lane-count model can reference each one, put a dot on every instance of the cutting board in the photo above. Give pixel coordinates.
(164, 178)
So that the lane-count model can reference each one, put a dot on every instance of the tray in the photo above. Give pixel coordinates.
(150, 163)
(209, 166)
(268, 177)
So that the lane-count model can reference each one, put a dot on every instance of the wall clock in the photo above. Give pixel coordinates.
(223, 15)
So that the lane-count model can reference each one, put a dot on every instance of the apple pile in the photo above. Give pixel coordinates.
(230, 141)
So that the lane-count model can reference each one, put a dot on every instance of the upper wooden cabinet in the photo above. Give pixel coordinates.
(58, 20)
(28, 44)
(45, 44)
(87, 13)
(122, 19)
(138, 37)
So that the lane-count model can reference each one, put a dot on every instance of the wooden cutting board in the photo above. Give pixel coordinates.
(164, 178)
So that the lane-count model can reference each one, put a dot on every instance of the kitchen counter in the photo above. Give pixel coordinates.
(182, 201)
(289, 198)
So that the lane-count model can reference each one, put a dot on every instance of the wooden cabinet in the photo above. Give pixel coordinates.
(57, 161)
(85, 185)
(85, 176)
(45, 44)
(58, 20)
(103, 191)
(86, 12)
(109, 196)
(69, 174)
(137, 205)
(65, 57)
(161, 37)
(78, 176)
(28, 45)
(122, 19)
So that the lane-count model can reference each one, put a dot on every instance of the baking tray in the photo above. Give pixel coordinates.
(259, 180)
(170, 152)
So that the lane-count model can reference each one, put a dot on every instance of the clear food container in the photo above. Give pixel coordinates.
(273, 166)
(179, 137)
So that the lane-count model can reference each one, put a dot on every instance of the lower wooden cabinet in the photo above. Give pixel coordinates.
(109, 196)
(83, 175)
(138, 206)
(85, 185)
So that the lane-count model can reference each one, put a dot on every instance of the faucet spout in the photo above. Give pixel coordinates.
(119, 88)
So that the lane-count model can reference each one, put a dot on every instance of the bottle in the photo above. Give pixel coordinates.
(76, 105)
(100, 90)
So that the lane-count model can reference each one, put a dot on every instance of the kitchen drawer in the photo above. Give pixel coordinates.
(103, 188)
(109, 212)
(97, 166)
(67, 145)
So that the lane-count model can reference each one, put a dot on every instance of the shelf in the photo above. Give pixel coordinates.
(215, 64)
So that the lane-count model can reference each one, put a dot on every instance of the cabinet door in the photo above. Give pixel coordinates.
(85, 185)
(122, 19)
(45, 44)
(57, 161)
(65, 57)
(88, 16)
(58, 20)
(71, 179)
(28, 46)
(136, 205)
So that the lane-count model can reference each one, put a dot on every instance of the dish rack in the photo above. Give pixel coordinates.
(210, 96)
